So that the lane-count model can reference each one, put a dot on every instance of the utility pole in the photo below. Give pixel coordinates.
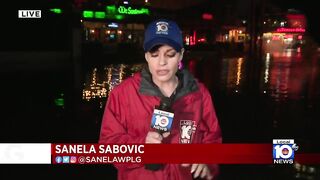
(255, 57)
(252, 28)
(76, 51)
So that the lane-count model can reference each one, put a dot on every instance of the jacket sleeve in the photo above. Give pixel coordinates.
(211, 124)
(113, 127)
(212, 129)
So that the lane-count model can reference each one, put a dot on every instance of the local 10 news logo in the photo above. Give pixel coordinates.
(162, 120)
(283, 151)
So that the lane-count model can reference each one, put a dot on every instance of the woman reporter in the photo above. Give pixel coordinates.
(130, 107)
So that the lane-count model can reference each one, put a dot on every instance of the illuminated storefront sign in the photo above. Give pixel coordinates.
(207, 16)
(87, 14)
(100, 15)
(94, 14)
(56, 10)
(113, 25)
(298, 30)
(113, 12)
(132, 11)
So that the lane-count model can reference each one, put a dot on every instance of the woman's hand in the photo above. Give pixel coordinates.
(201, 170)
(155, 137)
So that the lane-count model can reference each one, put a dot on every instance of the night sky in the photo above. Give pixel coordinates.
(52, 32)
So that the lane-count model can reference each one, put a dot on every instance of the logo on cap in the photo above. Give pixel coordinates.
(163, 32)
(162, 27)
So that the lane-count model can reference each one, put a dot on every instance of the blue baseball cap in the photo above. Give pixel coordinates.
(163, 31)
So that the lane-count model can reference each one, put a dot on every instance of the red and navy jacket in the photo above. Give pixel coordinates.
(127, 119)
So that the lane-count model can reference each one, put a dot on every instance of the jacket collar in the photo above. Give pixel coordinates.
(187, 84)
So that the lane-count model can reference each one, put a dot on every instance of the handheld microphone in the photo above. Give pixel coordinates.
(161, 122)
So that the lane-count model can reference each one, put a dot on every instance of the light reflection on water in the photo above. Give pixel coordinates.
(234, 73)
(286, 74)
(99, 82)
(283, 76)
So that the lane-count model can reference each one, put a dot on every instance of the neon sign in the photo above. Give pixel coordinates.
(87, 14)
(131, 11)
(56, 10)
(300, 30)
(112, 12)
(207, 16)
(100, 15)
(113, 25)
